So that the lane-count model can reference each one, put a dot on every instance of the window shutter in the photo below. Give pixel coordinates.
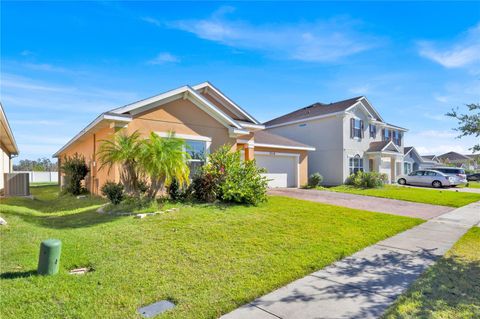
(374, 131)
(361, 128)
(400, 136)
(383, 134)
(352, 126)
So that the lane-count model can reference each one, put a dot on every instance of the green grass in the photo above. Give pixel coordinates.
(450, 289)
(43, 184)
(428, 196)
(207, 259)
(473, 184)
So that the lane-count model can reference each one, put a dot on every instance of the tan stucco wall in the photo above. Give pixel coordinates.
(182, 117)
(89, 144)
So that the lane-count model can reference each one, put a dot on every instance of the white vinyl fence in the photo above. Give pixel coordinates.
(41, 177)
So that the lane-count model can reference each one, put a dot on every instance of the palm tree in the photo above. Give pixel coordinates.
(164, 159)
(124, 150)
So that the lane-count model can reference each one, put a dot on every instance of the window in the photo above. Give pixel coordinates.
(417, 173)
(373, 130)
(430, 173)
(407, 167)
(198, 153)
(397, 138)
(386, 134)
(355, 164)
(357, 128)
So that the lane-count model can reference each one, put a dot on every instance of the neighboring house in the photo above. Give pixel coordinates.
(458, 160)
(8, 146)
(348, 136)
(206, 119)
(431, 158)
(413, 161)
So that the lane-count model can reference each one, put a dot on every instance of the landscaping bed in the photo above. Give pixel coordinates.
(207, 259)
(427, 196)
(450, 289)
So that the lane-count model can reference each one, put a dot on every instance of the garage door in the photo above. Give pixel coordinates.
(281, 169)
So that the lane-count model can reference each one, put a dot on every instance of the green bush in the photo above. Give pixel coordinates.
(75, 170)
(315, 180)
(113, 191)
(227, 178)
(367, 179)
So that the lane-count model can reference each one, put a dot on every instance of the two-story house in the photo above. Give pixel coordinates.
(348, 136)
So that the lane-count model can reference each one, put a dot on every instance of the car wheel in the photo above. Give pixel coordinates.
(437, 184)
(402, 181)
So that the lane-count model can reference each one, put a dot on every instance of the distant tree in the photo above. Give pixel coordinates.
(468, 124)
(39, 165)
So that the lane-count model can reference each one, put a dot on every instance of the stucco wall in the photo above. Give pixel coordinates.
(326, 136)
(5, 164)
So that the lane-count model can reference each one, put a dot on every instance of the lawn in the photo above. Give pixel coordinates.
(473, 184)
(450, 289)
(207, 259)
(428, 196)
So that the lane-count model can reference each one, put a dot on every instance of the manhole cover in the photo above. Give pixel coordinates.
(155, 308)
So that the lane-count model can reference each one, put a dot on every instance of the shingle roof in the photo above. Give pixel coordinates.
(454, 156)
(315, 109)
(407, 149)
(377, 146)
(428, 157)
(264, 137)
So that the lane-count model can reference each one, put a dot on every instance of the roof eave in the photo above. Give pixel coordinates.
(108, 116)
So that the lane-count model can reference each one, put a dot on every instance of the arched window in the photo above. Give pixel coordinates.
(355, 164)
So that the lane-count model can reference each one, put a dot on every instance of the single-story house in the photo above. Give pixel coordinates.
(207, 119)
(348, 136)
(8, 146)
(458, 160)
(413, 161)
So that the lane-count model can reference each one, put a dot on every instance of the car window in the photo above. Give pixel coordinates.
(430, 173)
(451, 170)
(418, 173)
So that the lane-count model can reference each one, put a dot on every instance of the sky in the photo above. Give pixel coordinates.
(64, 63)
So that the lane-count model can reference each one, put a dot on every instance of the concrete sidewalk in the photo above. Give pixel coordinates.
(375, 204)
(366, 283)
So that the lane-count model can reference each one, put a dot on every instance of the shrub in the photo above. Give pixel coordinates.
(367, 179)
(113, 191)
(315, 180)
(230, 179)
(204, 187)
(175, 191)
(244, 184)
(75, 170)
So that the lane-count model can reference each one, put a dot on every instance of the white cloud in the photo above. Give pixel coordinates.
(26, 53)
(463, 52)
(361, 90)
(163, 58)
(320, 41)
(436, 117)
(438, 142)
(37, 122)
(441, 99)
(152, 21)
(45, 67)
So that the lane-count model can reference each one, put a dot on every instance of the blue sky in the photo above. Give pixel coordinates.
(64, 63)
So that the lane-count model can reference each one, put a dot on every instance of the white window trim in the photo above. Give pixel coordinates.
(355, 156)
(190, 137)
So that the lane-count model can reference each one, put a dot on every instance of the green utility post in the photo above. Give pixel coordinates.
(49, 259)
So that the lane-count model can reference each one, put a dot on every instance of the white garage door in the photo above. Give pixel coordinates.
(281, 169)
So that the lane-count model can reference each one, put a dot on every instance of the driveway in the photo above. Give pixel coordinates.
(374, 204)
